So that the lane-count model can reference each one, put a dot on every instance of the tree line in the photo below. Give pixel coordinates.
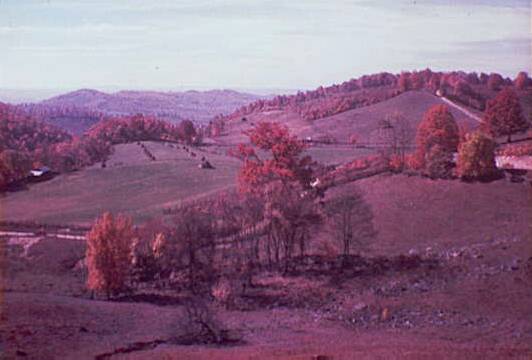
(471, 89)
(27, 142)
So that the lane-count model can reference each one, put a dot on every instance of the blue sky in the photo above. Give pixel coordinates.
(253, 44)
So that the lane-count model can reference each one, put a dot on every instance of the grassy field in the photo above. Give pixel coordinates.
(473, 303)
(337, 154)
(412, 212)
(362, 122)
(131, 183)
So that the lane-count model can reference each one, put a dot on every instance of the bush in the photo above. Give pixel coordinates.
(202, 327)
(226, 290)
(412, 162)
(109, 253)
(396, 163)
(476, 157)
(516, 150)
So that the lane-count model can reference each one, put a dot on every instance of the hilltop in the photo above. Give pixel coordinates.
(361, 122)
(199, 106)
(358, 106)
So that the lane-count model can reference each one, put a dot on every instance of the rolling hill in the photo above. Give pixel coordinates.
(199, 106)
(130, 183)
(362, 122)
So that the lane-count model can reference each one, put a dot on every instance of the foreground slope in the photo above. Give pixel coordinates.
(415, 213)
(474, 304)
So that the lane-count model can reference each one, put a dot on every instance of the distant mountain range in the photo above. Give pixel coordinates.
(199, 106)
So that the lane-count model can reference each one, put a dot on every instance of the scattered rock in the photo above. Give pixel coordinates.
(359, 306)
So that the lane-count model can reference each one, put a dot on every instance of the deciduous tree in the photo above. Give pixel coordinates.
(522, 80)
(476, 157)
(438, 127)
(109, 253)
(350, 221)
(503, 115)
(285, 161)
(495, 81)
(193, 237)
(14, 166)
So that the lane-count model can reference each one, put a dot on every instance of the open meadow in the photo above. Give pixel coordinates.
(131, 183)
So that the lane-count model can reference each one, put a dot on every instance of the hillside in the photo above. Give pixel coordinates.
(362, 122)
(199, 106)
(416, 213)
(365, 122)
(130, 183)
(452, 302)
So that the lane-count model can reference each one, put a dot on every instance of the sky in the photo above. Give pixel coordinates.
(253, 44)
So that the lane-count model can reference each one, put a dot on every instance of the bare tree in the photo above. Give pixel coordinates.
(395, 136)
(201, 326)
(293, 214)
(403, 134)
(351, 222)
(194, 238)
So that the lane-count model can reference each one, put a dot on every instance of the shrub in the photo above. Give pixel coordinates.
(201, 325)
(476, 157)
(396, 163)
(516, 150)
(225, 291)
(109, 253)
(412, 162)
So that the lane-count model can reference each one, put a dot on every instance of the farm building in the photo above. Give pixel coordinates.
(40, 171)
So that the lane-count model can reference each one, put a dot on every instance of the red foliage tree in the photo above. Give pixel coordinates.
(404, 82)
(417, 80)
(187, 131)
(438, 127)
(285, 161)
(476, 157)
(522, 80)
(434, 82)
(108, 253)
(503, 115)
(495, 81)
(14, 166)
